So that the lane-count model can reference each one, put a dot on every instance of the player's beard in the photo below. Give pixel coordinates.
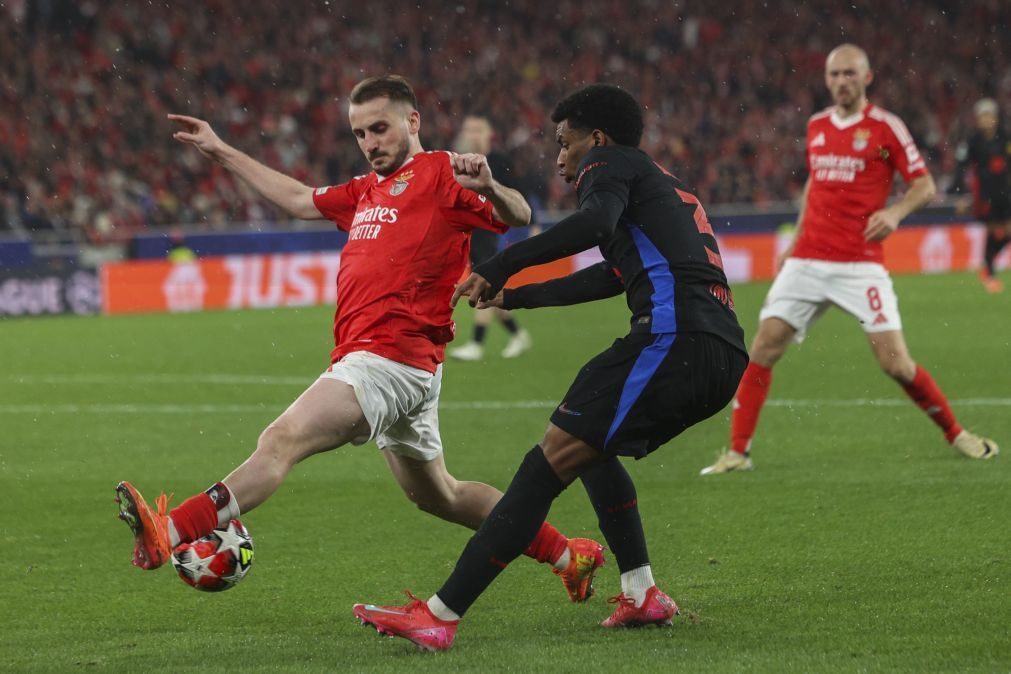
(398, 160)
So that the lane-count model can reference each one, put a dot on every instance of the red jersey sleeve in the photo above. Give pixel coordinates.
(339, 203)
(903, 154)
(465, 209)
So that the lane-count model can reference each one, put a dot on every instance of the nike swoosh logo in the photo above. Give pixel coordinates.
(380, 609)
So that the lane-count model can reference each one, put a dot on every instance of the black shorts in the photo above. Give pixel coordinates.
(995, 210)
(646, 389)
(483, 246)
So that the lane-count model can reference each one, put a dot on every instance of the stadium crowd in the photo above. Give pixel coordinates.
(85, 86)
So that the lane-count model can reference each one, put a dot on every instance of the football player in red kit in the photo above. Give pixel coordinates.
(408, 223)
(853, 150)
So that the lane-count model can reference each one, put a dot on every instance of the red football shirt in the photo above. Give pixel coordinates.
(408, 243)
(851, 162)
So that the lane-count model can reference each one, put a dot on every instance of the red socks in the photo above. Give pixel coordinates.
(751, 395)
(194, 517)
(548, 546)
(754, 388)
(198, 515)
(925, 392)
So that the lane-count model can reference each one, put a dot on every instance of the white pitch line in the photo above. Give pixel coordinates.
(153, 378)
(290, 381)
(212, 408)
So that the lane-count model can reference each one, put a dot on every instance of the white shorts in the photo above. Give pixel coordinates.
(804, 289)
(400, 402)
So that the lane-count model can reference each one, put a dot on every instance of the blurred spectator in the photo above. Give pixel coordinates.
(85, 86)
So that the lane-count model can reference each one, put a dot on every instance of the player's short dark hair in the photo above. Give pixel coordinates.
(393, 87)
(606, 107)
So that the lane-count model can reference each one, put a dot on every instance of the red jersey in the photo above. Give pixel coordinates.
(851, 163)
(408, 243)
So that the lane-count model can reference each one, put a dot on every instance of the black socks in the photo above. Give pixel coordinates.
(613, 496)
(510, 527)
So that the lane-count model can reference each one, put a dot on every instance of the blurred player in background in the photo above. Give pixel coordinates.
(984, 160)
(679, 364)
(853, 150)
(408, 223)
(476, 135)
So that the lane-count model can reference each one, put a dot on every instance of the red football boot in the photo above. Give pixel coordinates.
(585, 557)
(413, 622)
(658, 609)
(150, 529)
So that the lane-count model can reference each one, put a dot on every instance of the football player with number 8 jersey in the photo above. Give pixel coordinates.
(853, 150)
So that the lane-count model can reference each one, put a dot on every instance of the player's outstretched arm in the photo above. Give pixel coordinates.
(596, 282)
(590, 226)
(284, 191)
(472, 171)
(882, 223)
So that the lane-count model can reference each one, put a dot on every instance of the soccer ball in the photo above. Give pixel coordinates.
(217, 561)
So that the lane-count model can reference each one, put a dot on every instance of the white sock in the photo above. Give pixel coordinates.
(636, 582)
(173, 534)
(440, 610)
(230, 511)
(562, 562)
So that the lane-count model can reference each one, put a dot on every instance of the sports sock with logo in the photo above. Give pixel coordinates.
(612, 494)
(201, 514)
(508, 529)
(927, 395)
(751, 395)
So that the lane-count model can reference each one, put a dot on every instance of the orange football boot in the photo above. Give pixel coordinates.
(150, 529)
(991, 284)
(585, 557)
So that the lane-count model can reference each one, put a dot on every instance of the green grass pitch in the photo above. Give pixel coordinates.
(860, 543)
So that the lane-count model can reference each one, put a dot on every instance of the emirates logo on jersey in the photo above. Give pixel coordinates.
(400, 183)
(861, 137)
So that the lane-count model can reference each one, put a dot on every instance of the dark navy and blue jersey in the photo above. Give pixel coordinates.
(663, 247)
(684, 356)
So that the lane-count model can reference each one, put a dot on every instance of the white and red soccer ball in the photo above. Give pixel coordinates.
(217, 561)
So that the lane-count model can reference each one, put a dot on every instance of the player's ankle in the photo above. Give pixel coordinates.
(440, 610)
(173, 534)
(636, 583)
(741, 447)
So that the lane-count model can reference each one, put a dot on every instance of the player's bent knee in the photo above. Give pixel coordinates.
(279, 442)
(901, 371)
(440, 505)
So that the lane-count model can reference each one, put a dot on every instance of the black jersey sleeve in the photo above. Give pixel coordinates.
(596, 282)
(590, 226)
(605, 170)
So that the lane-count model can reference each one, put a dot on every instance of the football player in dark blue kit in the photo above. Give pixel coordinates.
(987, 154)
(680, 363)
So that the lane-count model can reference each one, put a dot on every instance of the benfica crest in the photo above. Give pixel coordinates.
(400, 183)
(860, 139)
